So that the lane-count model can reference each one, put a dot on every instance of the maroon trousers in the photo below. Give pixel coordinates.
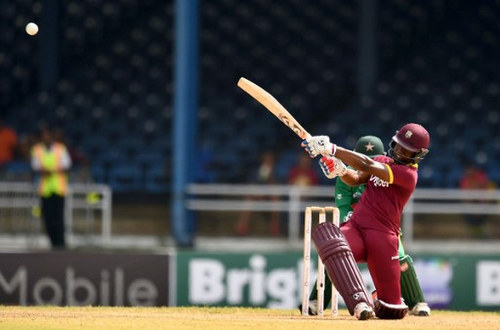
(380, 252)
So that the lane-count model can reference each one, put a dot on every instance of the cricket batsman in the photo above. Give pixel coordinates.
(346, 198)
(372, 233)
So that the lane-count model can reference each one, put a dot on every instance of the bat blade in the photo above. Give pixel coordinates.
(271, 104)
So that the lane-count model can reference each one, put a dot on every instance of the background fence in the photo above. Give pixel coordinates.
(88, 210)
(426, 205)
(89, 214)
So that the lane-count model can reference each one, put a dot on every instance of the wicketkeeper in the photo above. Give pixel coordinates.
(346, 198)
(372, 233)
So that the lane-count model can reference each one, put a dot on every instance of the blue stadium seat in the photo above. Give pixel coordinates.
(17, 171)
(126, 178)
(452, 178)
(430, 177)
(156, 181)
(99, 173)
(129, 145)
(150, 159)
(94, 144)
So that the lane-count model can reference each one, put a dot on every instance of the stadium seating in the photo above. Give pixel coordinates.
(114, 96)
(125, 178)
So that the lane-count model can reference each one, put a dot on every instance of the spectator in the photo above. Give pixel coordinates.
(265, 175)
(8, 143)
(303, 174)
(477, 179)
(51, 161)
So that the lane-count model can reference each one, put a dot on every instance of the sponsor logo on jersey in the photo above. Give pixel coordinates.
(377, 182)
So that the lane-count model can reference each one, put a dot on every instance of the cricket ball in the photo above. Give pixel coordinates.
(31, 29)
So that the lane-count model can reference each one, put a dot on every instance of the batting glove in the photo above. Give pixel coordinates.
(332, 167)
(319, 145)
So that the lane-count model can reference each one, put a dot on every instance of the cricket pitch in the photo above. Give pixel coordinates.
(18, 317)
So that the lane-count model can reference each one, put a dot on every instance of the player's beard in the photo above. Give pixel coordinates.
(399, 158)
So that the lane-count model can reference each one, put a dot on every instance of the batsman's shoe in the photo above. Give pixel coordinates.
(421, 309)
(363, 312)
(313, 307)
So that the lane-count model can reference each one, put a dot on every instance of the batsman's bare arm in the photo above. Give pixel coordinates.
(364, 167)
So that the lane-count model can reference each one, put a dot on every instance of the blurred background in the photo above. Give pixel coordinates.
(143, 93)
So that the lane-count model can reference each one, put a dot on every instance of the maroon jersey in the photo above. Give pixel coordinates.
(382, 203)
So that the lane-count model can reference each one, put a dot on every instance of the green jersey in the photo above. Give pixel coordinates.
(346, 197)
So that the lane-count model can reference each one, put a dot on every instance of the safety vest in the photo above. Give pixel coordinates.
(51, 160)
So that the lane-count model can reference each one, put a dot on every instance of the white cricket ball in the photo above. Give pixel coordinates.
(31, 29)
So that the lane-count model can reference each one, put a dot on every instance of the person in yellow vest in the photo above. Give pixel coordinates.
(51, 161)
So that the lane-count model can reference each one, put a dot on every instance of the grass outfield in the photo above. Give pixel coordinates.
(223, 318)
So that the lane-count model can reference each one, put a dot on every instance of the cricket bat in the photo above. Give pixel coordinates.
(271, 104)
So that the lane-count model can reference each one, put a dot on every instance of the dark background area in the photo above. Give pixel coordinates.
(436, 64)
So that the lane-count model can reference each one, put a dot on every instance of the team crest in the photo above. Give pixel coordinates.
(408, 134)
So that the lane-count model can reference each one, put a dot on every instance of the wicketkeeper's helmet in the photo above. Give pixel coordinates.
(370, 145)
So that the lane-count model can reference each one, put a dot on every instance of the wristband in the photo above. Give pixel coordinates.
(334, 149)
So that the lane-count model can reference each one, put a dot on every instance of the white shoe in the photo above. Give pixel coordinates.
(363, 312)
(421, 309)
(313, 307)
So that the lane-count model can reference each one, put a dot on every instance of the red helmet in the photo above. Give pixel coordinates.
(413, 137)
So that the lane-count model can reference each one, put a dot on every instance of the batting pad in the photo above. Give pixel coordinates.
(340, 264)
(410, 287)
